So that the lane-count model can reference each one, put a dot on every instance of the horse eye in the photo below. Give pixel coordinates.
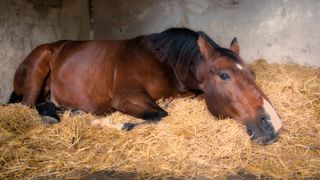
(224, 76)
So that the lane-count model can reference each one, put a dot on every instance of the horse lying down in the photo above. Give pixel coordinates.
(101, 77)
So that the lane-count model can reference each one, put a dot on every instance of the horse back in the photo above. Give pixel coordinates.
(93, 76)
(97, 75)
(82, 75)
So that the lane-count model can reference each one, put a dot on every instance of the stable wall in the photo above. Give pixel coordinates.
(276, 30)
(25, 24)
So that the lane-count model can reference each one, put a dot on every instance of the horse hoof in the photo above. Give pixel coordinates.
(128, 126)
(49, 120)
(77, 112)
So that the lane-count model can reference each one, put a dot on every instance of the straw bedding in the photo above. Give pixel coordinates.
(189, 142)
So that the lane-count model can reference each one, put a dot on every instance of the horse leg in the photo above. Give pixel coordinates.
(48, 112)
(31, 75)
(141, 105)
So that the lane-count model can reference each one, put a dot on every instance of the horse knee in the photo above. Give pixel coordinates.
(149, 111)
(154, 116)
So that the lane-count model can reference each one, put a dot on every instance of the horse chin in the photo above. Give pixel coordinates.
(264, 140)
(260, 138)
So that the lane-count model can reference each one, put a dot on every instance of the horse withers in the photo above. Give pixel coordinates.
(101, 77)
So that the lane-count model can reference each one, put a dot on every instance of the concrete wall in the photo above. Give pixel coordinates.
(24, 24)
(277, 30)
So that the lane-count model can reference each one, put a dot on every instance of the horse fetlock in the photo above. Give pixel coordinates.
(47, 109)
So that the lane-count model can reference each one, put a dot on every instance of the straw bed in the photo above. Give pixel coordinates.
(189, 142)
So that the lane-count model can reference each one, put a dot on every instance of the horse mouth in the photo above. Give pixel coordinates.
(264, 140)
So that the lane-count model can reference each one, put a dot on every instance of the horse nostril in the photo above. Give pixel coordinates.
(263, 121)
(250, 133)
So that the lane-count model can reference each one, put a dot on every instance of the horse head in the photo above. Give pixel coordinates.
(230, 90)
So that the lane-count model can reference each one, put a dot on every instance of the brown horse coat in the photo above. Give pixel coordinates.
(129, 75)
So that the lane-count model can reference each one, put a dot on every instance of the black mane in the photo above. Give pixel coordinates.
(178, 47)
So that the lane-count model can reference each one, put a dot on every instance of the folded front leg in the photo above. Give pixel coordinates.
(141, 105)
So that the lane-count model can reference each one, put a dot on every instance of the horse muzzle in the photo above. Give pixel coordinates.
(262, 130)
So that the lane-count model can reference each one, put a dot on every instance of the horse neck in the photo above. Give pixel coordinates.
(188, 80)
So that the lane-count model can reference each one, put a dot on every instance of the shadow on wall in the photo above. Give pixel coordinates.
(118, 19)
(277, 30)
(43, 6)
(29, 23)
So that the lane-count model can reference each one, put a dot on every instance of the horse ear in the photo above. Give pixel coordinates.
(206, 48)
(234, 46)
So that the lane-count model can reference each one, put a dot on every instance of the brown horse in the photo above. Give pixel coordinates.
(129, 75)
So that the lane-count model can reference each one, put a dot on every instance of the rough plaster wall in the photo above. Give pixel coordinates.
(25, 24)
(276, 30)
